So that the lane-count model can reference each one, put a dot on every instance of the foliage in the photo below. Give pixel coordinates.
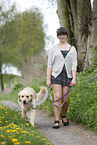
(83, 100)
(15, 130)
(19, 85)
(21, 36)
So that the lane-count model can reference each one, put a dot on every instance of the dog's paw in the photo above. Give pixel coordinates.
(32, 123)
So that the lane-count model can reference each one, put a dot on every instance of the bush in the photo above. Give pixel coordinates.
(17, 86)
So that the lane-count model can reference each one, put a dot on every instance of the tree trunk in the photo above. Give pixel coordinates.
(1, 78)
(75, 15)
(92, 46)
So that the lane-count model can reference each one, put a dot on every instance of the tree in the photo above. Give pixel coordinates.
(6, 15)
(22, 37)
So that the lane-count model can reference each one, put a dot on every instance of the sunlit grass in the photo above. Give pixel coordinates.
(15, 130)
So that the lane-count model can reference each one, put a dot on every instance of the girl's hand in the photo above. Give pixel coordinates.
(73, 82)
(48, 83)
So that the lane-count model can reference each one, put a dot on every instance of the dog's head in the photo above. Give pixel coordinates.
(26, 97)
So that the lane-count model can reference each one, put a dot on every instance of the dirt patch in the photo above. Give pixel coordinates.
(74, 134)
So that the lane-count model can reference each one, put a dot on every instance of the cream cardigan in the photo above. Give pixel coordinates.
(56, 61)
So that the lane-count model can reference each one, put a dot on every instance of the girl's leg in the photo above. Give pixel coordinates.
(57, 90)
(66, 99)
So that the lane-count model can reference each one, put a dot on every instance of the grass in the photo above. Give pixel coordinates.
(15, 130)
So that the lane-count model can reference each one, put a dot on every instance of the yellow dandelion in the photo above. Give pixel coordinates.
(48, 143)
(7, 130)
(17, 143)
(17, 132)
(17, 128)
(27, 142)
(44, 139)
(15, 125)
(71, 98)
(6, 121)
(0, 121)
(1, 107)
(21, 124)
(33, 131)
(38, 136)
(6, 112)
(71, 101)
(68, 111)
(24, 132)
(13, 131)
(46, 106)
(79, 99)
(27, 124)
(72, 108)
(2, 142)
(31, 134)
(2, 136)
(14, 140)
(2, 117)
(9, 136)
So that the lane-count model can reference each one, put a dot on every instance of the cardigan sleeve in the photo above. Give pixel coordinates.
(74, 59)
(50, 58)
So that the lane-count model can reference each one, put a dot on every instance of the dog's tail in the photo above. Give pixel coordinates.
(40, 95)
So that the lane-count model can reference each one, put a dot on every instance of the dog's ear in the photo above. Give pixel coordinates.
(32, 97)
(19, 100)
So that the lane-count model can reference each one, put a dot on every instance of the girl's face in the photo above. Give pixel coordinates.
(62, 38)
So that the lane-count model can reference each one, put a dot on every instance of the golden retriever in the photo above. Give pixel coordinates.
(28, 100)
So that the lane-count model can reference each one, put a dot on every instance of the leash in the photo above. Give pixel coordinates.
(52, 99)
(59, 99)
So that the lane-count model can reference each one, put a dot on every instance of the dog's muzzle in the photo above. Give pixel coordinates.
(24, 103)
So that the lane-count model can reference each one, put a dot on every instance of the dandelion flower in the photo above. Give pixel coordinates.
(44, 139)
(2, 136)
(17, 143)
(7, 130)
(27, 142)
(2, 142)
(48, 143)
(24, 132)
(31, 134)
(46, 106)
(27, 123)
(14, 140)
(13, 131)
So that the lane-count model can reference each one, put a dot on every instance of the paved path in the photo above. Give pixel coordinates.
(74, 134)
